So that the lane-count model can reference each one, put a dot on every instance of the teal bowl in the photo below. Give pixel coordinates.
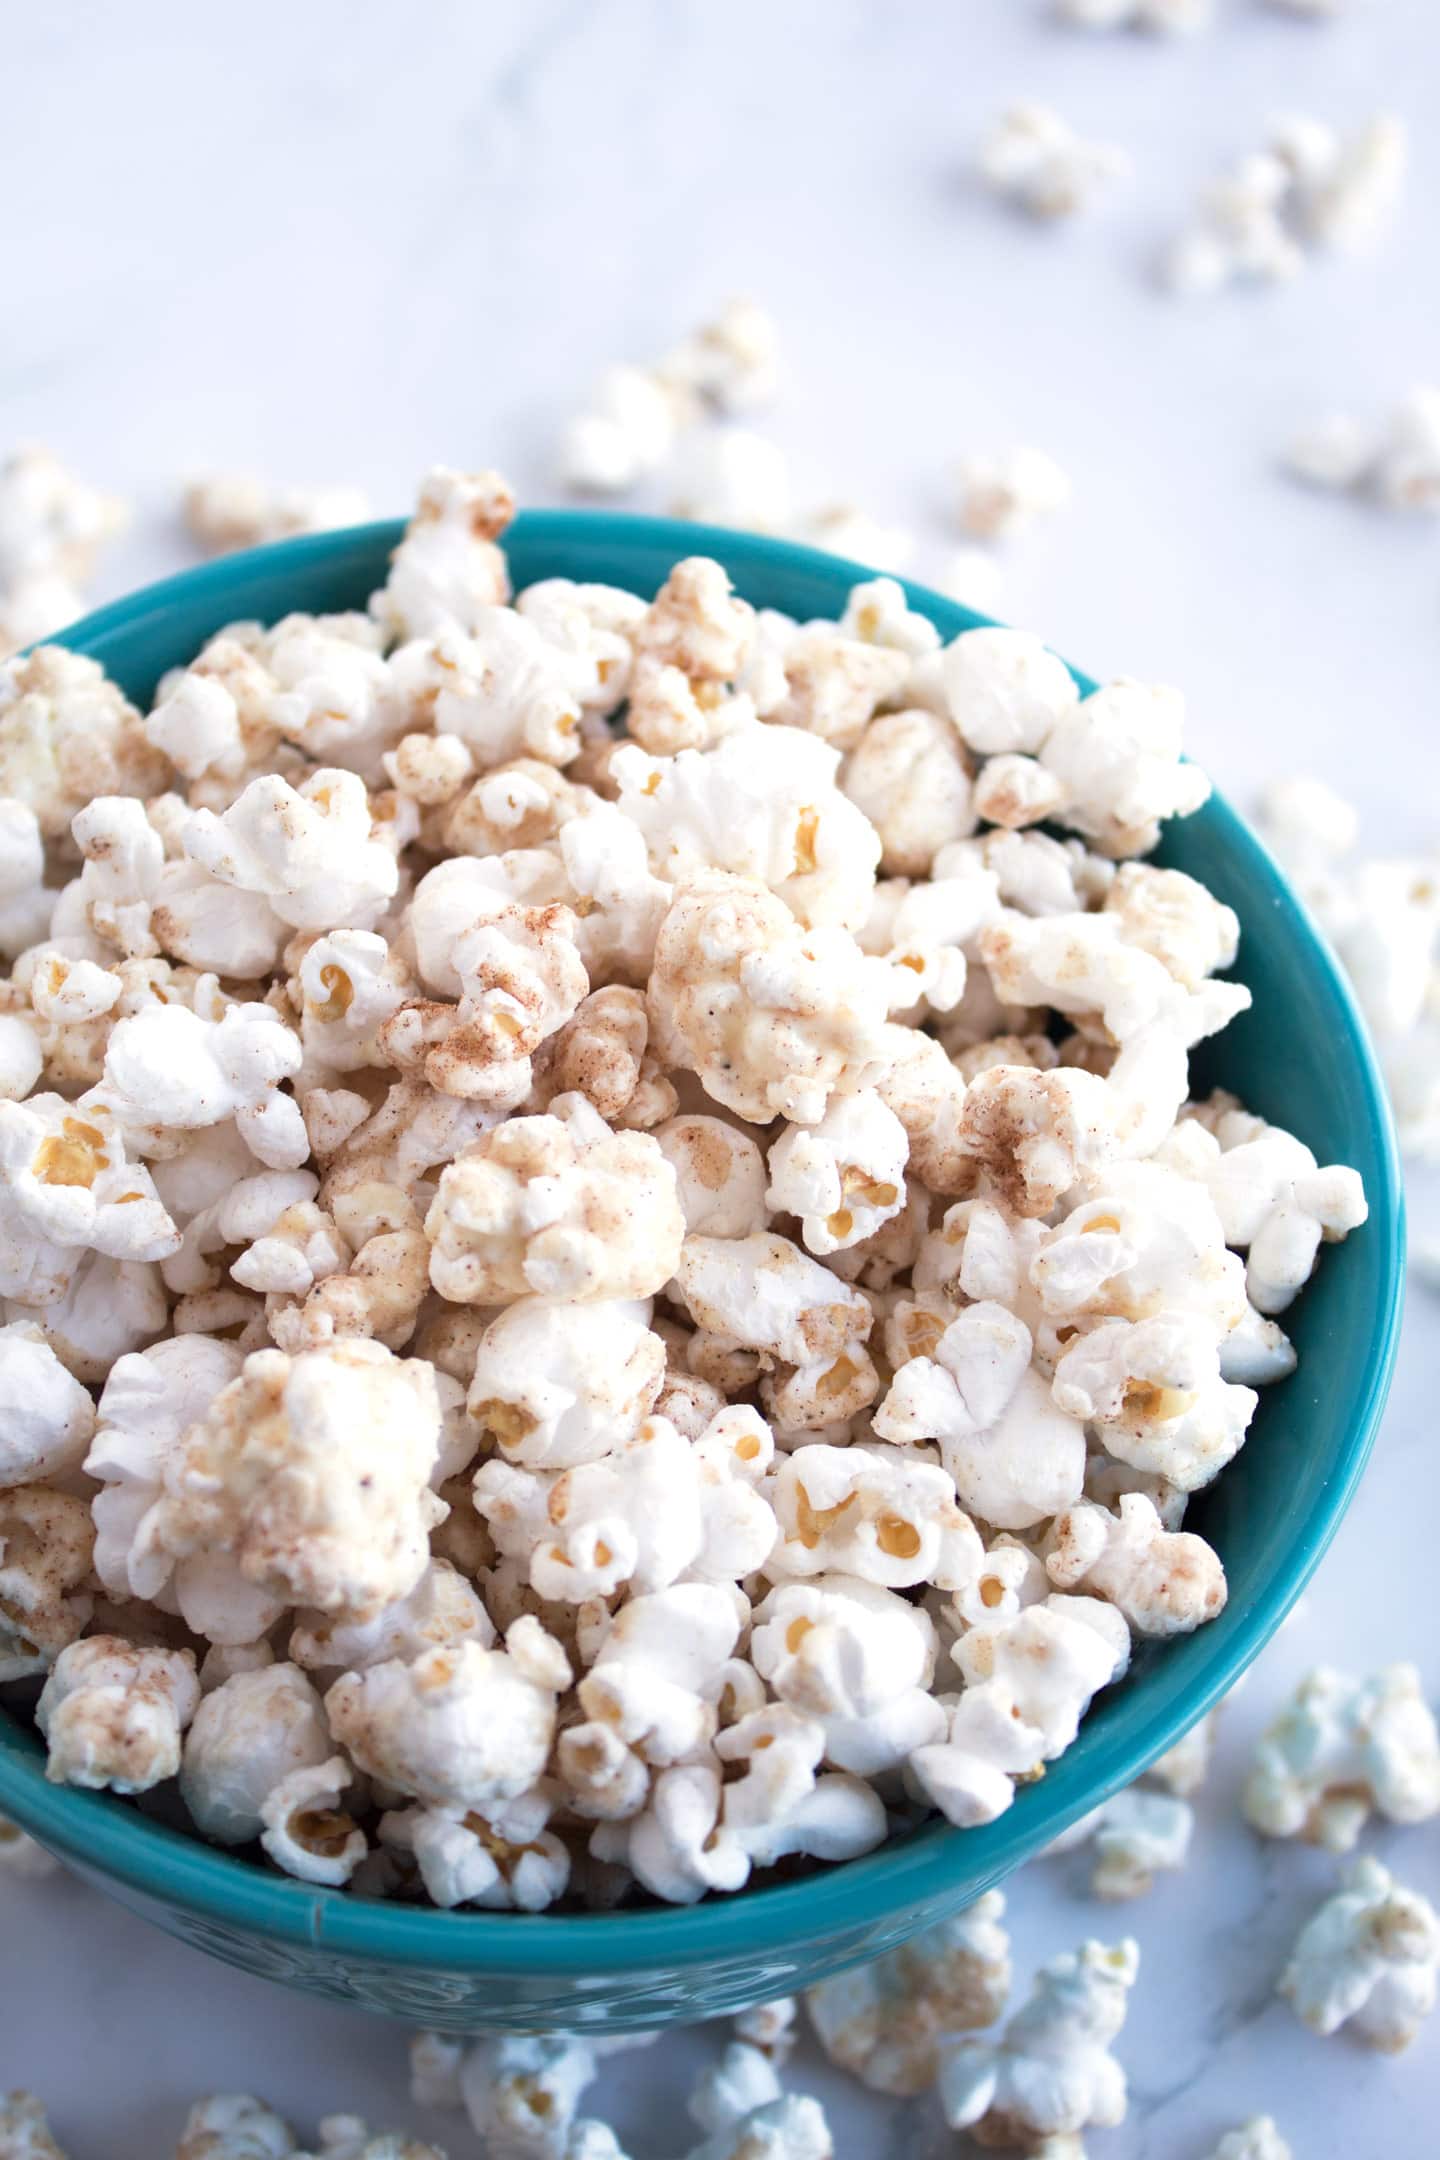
(1300, 1056)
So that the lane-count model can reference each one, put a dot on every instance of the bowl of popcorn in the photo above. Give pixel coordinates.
(664, 1298)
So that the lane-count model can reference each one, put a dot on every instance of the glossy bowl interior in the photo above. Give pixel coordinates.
(1300, 1056)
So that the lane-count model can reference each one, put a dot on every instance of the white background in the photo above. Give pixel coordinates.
(335, 242)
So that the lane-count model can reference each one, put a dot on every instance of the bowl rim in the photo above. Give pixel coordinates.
(933, 1866)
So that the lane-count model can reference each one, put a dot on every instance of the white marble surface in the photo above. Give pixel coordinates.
(337, 240)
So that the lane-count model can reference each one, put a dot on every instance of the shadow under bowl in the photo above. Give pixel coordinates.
(1300, 1056)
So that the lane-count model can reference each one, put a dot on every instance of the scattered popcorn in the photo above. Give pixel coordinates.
(631, 1351)
(1172, 17)
(113, 1714)
(1368, 1959)
(228, 510)
(1341, 1750)
(1308, 187)
(1396, 463)
(1134, 1836)
(1001, 495)
(25, 2130)
(52, 527)
(732, 476)
(1034, 159)
(890, 2022)
(1257, 2139)
(1052, 2074)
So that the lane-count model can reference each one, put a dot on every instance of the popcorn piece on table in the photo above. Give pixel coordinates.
(1397, 463)
(52, 524)
(1368, 1959)
(791, 2128)
(628, 428)
(226, 510)
(1341, 1750)
(112, 1714)
(1308, 186)
(770, 2027)
(1257, 2139)
(1051, 2074)
(1171, 17)
(1002, 495)
(732, 476)
(25, 2130)
(889, 2022)
(1135, 1836)
(845, 529)
(1035, 159)
(522, 2093)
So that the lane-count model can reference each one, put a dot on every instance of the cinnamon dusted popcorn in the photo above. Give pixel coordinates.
(612, 1277)
(1367, 1960)
(1052, 2074)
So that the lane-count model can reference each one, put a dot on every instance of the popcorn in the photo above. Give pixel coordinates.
(792, 2128)
(501, 1859)
(1367, 1960)
(52, 524)
(557, 1205)
(846, 529)
(457, 1727)
(1166, 1582)
(306, 1829)
(227, 510)
(843, 1177)
(771, 1018)
(558, 1385)
(719, 1176)
(1030, 1677)
(309, 1475)
(1052, 2074)
(249, 1737)
(879, 1513)
(1257, 2139)
(1136, 1835)
(1341, 1749)
(24, 2129)
(1397, 463)
(1034, 159)
(764, 805)
(309, 852)
(448, 571)
(1002, 495)
(170, 1067)
(568, 1488)
(731, 360)
(46, 1417)
(740, 2082)
(46, 1545)
(1174, 17)
(1307, 185)
(889, 2022)
(732, 476)
(112, 1714)
(67, 735)
(909, 777)
(857, 1658)
(770, 2027)
(522, 2091)
(627, 430)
